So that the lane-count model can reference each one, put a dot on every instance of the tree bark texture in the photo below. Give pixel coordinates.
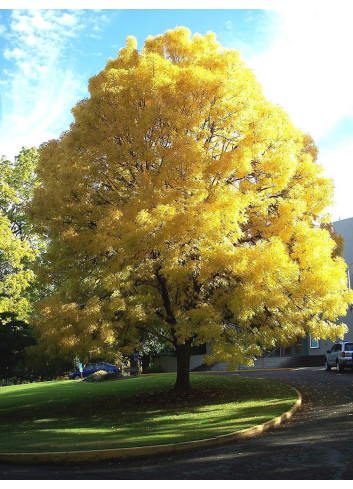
(183, 352)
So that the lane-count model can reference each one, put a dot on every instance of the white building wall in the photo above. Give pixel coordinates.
(345, 229)
(169, 364)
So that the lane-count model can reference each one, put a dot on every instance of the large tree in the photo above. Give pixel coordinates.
(184, 204)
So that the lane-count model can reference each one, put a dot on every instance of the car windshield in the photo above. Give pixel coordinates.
(89, 367)
(349, 346)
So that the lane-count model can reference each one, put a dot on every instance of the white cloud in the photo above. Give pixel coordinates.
(41, 87)
(15, 53)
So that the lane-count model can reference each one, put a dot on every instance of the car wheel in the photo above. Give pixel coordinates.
(77, 377)
(339, 367)
(327, 366)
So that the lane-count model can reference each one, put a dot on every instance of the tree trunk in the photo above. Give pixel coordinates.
(183, 352)
(145, 362)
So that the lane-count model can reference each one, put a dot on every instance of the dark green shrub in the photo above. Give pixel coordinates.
(154, 369)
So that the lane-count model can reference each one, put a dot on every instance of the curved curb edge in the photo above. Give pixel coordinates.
(123, 453)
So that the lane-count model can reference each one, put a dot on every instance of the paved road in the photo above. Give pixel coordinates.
(317, 443)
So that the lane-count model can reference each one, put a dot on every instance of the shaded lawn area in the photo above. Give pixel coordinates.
(74, 415)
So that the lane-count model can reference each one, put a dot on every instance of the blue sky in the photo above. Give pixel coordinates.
(301, 56)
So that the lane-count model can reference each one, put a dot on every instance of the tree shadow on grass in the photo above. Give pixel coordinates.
(79, 429)
(78, 416)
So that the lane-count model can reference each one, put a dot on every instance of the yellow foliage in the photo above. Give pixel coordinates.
(183, 203)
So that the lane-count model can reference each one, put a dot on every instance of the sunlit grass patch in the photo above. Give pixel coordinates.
(69, 415)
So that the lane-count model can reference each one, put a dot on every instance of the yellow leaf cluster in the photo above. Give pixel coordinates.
(187, 205)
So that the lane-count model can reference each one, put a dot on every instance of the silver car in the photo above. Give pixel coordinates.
(340, 356)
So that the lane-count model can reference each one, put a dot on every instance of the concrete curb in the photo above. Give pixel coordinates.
(123, 453)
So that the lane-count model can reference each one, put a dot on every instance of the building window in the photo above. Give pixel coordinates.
(314, 343)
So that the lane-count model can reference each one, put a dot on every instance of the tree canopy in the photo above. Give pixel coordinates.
(184, 204)
(18, 245)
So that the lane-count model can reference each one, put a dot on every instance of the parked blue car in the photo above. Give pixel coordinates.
(94, 367)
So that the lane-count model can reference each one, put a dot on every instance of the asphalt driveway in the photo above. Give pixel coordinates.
(317, 443)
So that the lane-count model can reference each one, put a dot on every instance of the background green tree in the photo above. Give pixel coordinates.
(19, 245)
(20, 252)
(15, 337)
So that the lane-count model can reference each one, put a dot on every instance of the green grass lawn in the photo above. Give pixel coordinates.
(74, 415)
